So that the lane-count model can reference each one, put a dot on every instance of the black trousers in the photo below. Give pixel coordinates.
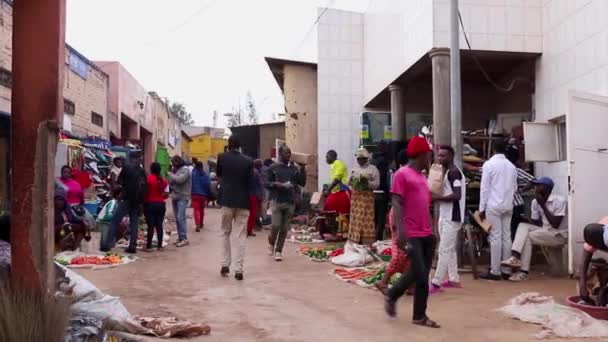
(380, 212)
(420, 251)
(155, 215)
(516, 219)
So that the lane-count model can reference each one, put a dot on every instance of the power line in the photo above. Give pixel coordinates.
(186, 21)
(483, 71)
(297, 49)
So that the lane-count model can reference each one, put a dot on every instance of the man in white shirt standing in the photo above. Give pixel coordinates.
(451, 216)
(548, 226)
(498, 187)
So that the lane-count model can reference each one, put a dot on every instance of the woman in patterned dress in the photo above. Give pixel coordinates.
(364, 179)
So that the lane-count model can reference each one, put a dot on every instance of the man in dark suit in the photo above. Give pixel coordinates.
(235, 171)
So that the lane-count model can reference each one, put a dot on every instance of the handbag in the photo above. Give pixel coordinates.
(435, 179)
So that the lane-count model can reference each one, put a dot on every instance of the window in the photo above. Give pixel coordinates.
(97, 119)
(6, 78)
(560, 125)
(69, 107)
(546, 142)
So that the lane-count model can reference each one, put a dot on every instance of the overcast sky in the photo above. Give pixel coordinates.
(204, 53)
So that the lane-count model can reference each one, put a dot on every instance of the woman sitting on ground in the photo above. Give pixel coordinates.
(69, 230)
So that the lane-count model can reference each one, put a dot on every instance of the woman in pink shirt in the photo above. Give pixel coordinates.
(411, 199)
(75, 194)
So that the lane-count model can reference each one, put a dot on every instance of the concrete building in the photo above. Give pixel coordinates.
(298, 82)
(85, 95)
(206, 142)
(260, 141)
(85, 92)
(85, 87)
(132, 107)
(552, 53)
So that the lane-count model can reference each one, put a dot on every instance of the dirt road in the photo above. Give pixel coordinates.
(298, 300)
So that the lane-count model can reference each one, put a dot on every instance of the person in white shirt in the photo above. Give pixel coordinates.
(451, 217)
(548, 226)
(498, 187)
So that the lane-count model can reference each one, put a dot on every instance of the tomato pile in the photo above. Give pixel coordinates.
(336, 252)
(95, 260)
(386, 251)
(355, 274)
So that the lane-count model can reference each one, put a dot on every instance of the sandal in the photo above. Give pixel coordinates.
(426, 322)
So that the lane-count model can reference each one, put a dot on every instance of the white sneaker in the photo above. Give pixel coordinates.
(512, 262)
(278, 256)
(182, 243)
(271, 250)
(520, 276)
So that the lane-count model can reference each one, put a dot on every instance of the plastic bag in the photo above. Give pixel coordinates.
(435, 179)
(91, 302)
(354, 256)
(557, 320)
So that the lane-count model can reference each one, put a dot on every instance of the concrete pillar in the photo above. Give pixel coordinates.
(440, 59)
(397, 112)
(37, 111)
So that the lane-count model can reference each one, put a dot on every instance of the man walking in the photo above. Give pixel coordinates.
(498, 187)
(132, 181)
(411, 199)
(236, 182)
(180, 180)
(451, 217)
(283, 178)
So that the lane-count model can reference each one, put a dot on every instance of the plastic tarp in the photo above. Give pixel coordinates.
(557, 320)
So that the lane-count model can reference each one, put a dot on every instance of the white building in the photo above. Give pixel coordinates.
(393, 58)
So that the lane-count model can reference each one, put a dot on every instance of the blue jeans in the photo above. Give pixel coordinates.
(122, 210)
(179, 210)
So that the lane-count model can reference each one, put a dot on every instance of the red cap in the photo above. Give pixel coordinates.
(417, 146)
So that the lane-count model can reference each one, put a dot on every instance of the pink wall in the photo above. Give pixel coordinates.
(127, 95)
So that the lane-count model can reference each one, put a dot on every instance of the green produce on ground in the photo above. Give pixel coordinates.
(394, 278)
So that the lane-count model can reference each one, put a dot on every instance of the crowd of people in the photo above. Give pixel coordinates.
(372, 187)
(247, 188)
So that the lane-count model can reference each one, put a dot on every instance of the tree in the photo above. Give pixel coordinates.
(235, 118)
(184, 117)
(252, 112)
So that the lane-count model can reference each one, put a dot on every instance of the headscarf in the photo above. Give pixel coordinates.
(361, 153)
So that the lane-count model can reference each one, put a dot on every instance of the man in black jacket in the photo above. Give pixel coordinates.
(132, 181)
(235, 171)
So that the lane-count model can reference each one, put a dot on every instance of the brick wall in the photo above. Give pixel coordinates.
(88, 94)
(6, 51)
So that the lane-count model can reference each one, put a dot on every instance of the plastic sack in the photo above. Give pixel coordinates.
(91, 302)
(556, 319)
(354, 256)
(435, 179)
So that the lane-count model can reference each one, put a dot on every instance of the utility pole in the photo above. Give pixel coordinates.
(215, 118)
(455, 84)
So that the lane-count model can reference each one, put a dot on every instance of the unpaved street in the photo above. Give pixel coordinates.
(298, 300)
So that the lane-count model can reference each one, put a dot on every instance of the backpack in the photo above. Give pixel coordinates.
(141, 186)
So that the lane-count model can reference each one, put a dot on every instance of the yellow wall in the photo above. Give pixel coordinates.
(185, 147)
(217, 146)
(204, 147)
